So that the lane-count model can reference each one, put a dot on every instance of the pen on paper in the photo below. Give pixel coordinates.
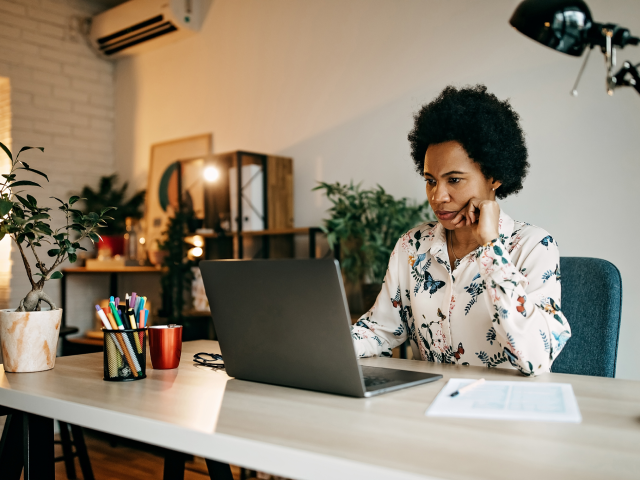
(466, 388)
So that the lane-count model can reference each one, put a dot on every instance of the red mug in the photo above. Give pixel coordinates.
(165, 346)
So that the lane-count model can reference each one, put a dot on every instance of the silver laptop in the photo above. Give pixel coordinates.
(286, 322)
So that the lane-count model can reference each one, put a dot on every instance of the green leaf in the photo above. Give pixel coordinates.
(5, 207)
(56, 198)
(39, 216)
(56, 276)
(32, 200)
(94, 237)
(2, 234)
(53, 252)
(28, 148)
(24, 183)
(6, 150)
(73, 199)
(24, 201)
(73, 257)
(38, 172)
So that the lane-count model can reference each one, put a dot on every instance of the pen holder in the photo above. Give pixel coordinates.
(125, 354)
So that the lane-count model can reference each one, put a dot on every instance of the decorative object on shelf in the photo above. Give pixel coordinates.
(29, 336)
(165, 184)
(567, 26)
(108, 193)
(365, 226)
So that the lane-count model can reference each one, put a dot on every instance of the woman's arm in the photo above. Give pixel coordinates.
(525, 304)
(384, 327)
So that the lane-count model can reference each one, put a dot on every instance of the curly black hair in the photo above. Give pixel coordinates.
(487, 128)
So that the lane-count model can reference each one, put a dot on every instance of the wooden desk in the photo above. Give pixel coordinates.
(306, 435)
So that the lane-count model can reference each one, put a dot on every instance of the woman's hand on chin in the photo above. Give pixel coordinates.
(483, 216)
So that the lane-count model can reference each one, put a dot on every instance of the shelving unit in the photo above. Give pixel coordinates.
(228, 238)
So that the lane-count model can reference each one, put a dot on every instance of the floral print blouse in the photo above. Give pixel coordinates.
(499, 308)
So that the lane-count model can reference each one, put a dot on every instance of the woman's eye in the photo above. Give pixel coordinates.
(454, 180)
(430, 181)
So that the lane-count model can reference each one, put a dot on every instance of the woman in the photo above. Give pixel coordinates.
(475, 288)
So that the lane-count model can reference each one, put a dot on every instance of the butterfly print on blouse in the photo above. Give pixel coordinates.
(429, 284)
(546, 241)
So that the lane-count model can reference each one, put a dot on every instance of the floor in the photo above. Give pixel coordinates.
(120, 459)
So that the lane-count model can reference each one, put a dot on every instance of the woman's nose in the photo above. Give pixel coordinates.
(439, 193)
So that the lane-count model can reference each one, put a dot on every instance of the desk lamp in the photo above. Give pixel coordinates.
(567, 26)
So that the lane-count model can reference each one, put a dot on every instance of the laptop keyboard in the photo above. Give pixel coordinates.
(373, 380)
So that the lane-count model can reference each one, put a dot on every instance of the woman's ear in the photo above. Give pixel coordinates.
(495, 184)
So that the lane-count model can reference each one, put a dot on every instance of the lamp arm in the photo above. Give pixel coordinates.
(632, 70)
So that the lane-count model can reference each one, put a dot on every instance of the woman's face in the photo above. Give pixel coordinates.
(453, 179)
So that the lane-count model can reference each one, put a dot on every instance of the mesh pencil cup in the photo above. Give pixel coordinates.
(125, 354)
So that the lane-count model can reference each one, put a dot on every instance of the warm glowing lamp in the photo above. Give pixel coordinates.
(211, 174)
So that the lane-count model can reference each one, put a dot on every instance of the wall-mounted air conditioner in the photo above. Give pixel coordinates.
(139, 25)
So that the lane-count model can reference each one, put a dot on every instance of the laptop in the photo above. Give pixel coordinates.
(286, 322)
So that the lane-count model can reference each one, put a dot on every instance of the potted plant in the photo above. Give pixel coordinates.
(28, 334)
(365, 225)
(108, 194)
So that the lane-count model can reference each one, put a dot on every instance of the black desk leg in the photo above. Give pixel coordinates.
(11, 458)
(81, 451)
(219, 471)
(174, 465)
(67, 450)
(38, 450)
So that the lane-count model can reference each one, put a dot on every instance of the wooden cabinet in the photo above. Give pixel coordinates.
(249, 207)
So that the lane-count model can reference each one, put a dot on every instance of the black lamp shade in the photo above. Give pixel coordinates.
(559, 24)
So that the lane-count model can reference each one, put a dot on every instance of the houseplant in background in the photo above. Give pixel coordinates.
(365, 225)
(177, 276)
(29, 335)
(109, 194)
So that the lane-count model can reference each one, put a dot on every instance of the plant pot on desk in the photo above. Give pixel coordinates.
(29, 339)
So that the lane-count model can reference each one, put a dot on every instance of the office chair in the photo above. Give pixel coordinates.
(592, 303)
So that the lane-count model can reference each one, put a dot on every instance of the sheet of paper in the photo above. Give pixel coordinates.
(546, 402)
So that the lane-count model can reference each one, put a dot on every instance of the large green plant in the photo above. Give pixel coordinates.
(109, 194)
(29, 226)
(366, 224)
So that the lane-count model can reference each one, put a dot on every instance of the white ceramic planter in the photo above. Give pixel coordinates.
(29, 339)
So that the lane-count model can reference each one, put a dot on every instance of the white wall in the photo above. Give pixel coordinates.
(62, 99)
(334, 84)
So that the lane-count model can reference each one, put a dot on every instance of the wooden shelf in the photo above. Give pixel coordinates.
(260, 233)
(112, 270)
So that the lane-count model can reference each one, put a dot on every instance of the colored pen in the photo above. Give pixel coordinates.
(132, 301)
(114, 311)
(107, 324)
(466, 388)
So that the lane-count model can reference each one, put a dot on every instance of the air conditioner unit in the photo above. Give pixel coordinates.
(139, 25)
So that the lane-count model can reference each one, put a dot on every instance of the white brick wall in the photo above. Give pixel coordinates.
(62, 98)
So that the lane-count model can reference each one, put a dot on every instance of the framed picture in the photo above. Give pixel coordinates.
(164, 185)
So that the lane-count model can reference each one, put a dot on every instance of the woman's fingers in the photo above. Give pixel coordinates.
(458, 218)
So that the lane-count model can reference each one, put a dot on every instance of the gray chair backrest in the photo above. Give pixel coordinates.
(592, 303)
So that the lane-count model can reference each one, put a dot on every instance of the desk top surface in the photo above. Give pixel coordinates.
(308, 435)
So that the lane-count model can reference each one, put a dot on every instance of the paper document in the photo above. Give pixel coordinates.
(546, 402)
